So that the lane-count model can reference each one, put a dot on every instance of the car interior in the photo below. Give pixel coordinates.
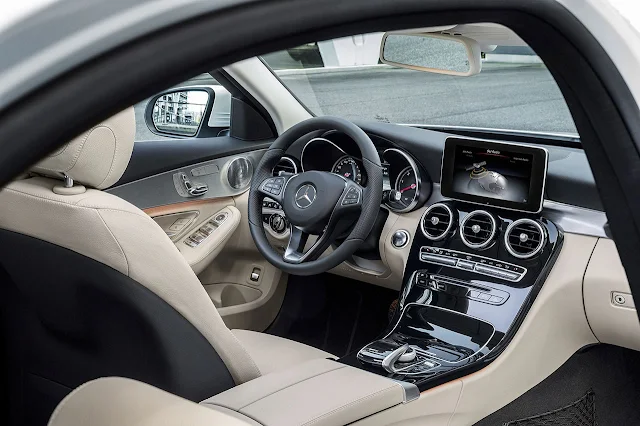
(261, 263)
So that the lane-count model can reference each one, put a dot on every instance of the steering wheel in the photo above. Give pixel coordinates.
(316, 203)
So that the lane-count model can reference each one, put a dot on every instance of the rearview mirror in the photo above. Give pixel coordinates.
(180, 112)
(437, 53)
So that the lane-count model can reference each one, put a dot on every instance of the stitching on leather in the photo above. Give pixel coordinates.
(126, 261)
(113, 159)
(359, 400)
(286, 387)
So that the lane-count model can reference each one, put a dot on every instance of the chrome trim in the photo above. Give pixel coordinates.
(315, 140)
(426, 212)
(411, 391)
(488, 203)
(290, 160)
(570, 219)
(161, 189)
(416, 172)
(515, 223)
(477, 272)
(576, 220)
(493, 230)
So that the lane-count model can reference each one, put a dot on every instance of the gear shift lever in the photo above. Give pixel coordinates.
(404, 353)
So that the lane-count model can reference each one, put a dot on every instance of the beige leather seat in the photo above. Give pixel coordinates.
(94, 288)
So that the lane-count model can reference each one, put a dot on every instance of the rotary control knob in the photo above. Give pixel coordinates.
(278, 223)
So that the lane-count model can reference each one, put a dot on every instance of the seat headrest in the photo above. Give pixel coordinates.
(98, 157)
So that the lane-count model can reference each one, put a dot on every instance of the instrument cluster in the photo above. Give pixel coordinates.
(404, 188)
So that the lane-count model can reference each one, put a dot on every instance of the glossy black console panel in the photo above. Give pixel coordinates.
(460, 319)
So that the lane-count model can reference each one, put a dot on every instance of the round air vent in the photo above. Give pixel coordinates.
(286, 165)
(239, 173)
(478, 229)
(524, 238)
(437, 221)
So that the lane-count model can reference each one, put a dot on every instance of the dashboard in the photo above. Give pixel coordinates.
(467, 233)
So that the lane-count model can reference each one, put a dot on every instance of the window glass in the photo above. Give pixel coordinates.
(344, 77)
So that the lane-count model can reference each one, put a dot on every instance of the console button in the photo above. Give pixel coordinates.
(464, 264)
(487, 270)
(484, 296)
(495, 299)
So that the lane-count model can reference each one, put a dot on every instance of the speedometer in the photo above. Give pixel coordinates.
(348, 168)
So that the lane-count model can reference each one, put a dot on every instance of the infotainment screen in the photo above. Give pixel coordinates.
(491, 173)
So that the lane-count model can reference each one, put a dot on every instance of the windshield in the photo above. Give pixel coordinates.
(344, 77)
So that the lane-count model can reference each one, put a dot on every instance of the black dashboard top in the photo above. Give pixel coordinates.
(569, 177)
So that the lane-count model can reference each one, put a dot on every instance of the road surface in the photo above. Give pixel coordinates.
(502, 96)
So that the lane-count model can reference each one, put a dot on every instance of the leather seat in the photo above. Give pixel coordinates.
(93, 287)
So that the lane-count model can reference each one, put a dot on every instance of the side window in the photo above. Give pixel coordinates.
(198, 107)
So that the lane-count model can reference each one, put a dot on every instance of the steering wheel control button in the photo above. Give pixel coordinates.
(351, 197)
(400, 238)
(273, 185)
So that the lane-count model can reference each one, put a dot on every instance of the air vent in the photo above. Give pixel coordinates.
(524, 238)
(286, 165)
(478, 229)
(437, 221)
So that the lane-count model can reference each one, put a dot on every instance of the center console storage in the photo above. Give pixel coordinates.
(319, 392)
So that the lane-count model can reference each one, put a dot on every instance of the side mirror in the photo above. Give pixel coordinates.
(430, 52)
(189, 111)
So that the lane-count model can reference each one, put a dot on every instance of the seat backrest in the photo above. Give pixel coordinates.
(93, 287)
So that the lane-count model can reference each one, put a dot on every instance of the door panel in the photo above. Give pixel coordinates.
(170, 187)
(152, 157)
(246, 289)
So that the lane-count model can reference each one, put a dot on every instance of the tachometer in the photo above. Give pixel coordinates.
(348, 168)
(407, 186)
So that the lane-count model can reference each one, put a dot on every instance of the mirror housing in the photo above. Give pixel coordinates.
(431, 52)
(191, 111)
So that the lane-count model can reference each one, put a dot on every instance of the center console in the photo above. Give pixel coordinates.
(476, 264)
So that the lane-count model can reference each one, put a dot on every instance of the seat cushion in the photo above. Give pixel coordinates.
(272, 353)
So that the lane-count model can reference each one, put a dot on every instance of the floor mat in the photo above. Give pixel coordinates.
(607, 377)
(332, 313)
(580, 413)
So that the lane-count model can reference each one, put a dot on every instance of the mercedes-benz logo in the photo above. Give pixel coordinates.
(305, 196)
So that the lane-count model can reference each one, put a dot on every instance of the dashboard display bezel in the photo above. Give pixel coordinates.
(537, 180)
